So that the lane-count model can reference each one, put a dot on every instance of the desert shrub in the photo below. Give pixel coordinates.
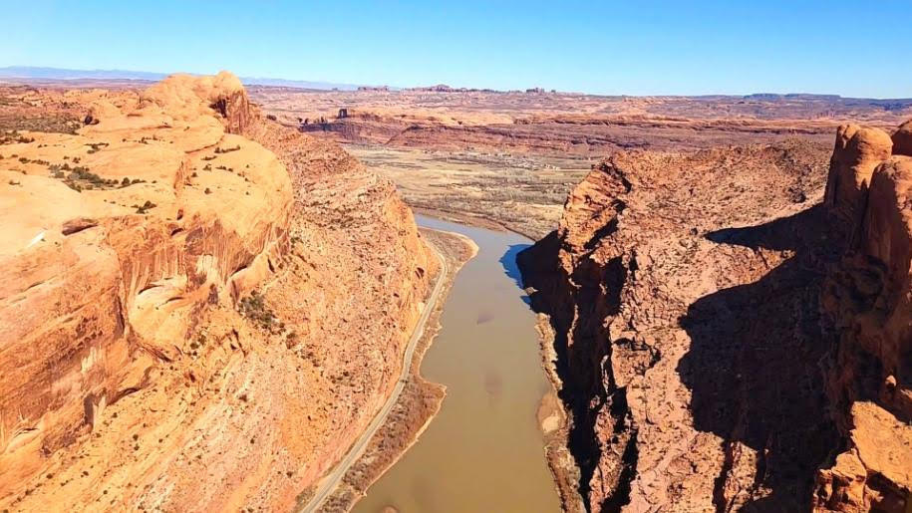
(83, 173)
(254, 308)
(227, 150)
(14, 136)
(95, 147)
(142, 209)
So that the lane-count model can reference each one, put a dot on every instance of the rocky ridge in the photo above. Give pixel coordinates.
(182, 272)
(723, 329)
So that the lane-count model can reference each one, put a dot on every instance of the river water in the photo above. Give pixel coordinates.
(484, 450)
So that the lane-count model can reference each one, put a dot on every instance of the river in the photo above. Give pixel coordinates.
(484, 450)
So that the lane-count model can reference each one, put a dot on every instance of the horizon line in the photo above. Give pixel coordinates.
(397, 88)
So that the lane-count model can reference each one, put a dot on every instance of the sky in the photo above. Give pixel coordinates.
(851, 48)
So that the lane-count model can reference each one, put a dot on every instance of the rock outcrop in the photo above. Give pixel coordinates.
(722, 330)
(201, 309)
(858, 151)
(867, 297)
(902, 139)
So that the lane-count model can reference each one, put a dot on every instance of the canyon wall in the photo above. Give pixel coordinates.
(202, 309)
(723, 329)
(867, 297)
(565, 135)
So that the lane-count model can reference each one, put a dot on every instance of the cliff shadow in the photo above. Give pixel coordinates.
(511, 267)
(579, 365)
(754, 364)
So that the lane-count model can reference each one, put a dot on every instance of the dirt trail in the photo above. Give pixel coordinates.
(331, 480)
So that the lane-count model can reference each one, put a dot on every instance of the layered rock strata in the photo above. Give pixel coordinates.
(730, 336)
(202, 309)
(867, 298)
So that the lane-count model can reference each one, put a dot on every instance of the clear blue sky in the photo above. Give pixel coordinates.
(853, 48)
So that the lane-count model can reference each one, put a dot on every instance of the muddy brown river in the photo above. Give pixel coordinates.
(484, 450)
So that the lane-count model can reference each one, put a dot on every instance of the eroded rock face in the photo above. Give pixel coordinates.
(902, 139)
(858, 151)
(660, 284)
(868, 298)
(722, 330)
(201, 309)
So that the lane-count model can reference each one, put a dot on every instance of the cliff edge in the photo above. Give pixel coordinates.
(201, 308)
(730, 328)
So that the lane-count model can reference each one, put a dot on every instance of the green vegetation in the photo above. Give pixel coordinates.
(254, 308)
(80, 178)
(227, 150)
(13, 137)
(142, 209)
(25, 160)
(95, 147)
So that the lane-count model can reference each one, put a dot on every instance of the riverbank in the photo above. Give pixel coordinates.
(555, 424)
(524, 193)
(484, 451)
(420, 399)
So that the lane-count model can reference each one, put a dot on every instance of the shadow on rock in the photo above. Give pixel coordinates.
(754, 365)
(576, 313)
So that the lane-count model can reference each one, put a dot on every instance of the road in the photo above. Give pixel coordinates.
(329, 482)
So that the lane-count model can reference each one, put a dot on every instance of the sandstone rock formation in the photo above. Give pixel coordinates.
(721, 335)
(858, 151)
(902, 139)
(201, 309)
(867, 297)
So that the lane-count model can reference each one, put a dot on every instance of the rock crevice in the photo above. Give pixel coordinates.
(727, 321)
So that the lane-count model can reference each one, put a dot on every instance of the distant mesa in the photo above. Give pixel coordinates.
(41, 74)
(373, 88)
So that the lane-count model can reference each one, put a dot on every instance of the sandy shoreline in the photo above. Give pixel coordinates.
(563, 467)
(471, 220)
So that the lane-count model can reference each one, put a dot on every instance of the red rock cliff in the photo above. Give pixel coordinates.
(723, 329)
(201, 309)
(868, 298)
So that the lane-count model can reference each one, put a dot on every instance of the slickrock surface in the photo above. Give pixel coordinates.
(201, 309)
(722, 331)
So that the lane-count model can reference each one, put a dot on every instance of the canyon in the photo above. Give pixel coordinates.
(510, 158)
(721, 332)
(183, 272)
(211, 289)
(729, 328)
